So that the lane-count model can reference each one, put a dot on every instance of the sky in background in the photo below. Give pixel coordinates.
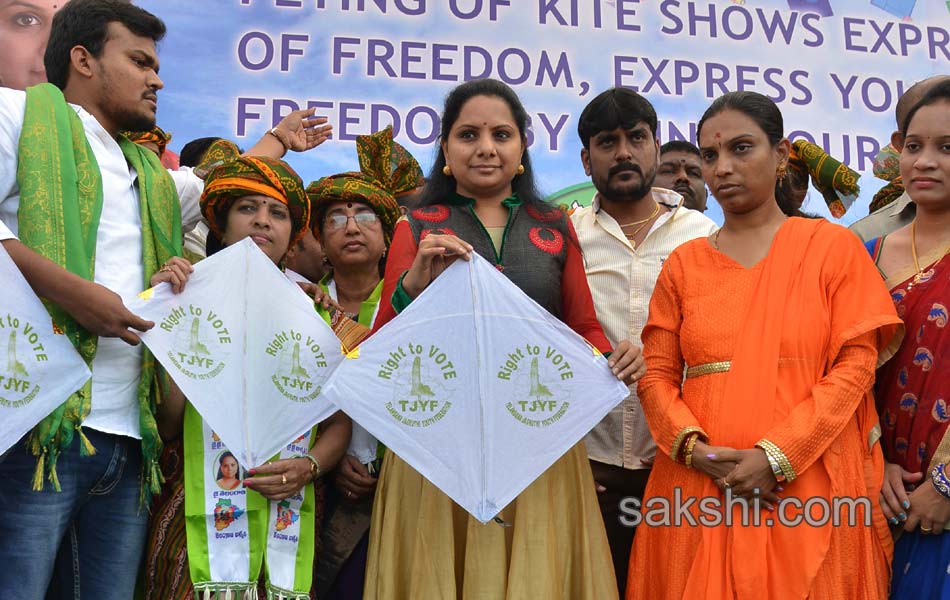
(204, 76)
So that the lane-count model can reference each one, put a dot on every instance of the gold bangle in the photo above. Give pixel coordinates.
(681, 437)
(688, 454)
(776, 453)
(315, 470)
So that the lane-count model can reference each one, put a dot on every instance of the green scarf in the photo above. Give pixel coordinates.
(60, 204)
(837, 182)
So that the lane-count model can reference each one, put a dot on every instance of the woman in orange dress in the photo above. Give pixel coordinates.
(780, 323)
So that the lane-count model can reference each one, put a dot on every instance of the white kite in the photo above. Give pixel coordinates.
(477, 387)
(246, 347)
(39, 369)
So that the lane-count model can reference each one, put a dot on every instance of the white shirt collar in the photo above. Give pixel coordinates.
(668, 198)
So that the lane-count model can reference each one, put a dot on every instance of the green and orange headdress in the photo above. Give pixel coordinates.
(156, 136)
(387, 170)
(887, 167)
(837, 183)
(389, 163)
(251, 175)
(218, 153)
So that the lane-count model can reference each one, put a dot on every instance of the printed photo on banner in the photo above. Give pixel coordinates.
(229, 475)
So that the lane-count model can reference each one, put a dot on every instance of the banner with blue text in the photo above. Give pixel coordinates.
(836, 68)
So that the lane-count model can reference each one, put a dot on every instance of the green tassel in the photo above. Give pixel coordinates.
(53, 477)
(85, 446)
(38, 473)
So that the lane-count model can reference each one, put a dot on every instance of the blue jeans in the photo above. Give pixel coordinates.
(84, 542)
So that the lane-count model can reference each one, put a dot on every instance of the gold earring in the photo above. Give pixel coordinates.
(782, 172)
(520, 169)
(447, 171)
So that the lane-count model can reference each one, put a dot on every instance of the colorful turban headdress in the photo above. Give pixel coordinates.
(887, 167)
(252, 175)
(389, 163)
(156, 136)
(387, 170)
(218, 153)
(837, 183)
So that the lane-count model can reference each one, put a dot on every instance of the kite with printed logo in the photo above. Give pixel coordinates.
(246, 347)
(477, 387)
(39, 367)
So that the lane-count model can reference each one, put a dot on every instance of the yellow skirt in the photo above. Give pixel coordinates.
(423, 546)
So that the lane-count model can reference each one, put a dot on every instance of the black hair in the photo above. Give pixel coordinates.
(939, 92)
(194, 151)
(213, 243)
(913, 95)
(86, 23)
(224, 455)
(680, 146)
(768, 117)
(617, 108)
(439, 186)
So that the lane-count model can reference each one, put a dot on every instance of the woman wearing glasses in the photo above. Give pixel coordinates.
(354, 215)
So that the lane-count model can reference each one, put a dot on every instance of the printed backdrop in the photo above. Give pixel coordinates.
(836, 68)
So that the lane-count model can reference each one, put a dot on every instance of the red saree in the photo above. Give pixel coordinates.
(913, 388)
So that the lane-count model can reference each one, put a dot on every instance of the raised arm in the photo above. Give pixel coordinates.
(298, 131)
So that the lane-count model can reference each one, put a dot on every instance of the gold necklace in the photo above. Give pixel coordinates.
(656, 211)
(716, 238)
(631, 237)
(913, 252)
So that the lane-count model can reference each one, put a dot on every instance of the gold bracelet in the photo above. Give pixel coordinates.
(315, 470)
(688, 454)
(681, 437)
(776, 468)
(776, 453)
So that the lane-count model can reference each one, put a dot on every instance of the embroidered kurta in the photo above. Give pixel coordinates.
(803, 331)
(552, 542)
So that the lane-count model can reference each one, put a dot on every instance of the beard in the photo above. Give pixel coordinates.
(132, 121)
(126, 119)
(620, 191)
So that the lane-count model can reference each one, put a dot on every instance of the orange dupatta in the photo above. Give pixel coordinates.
(809, 269)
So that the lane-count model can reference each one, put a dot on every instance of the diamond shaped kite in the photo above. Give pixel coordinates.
(246, 347)
(39, 368)
(477, 387)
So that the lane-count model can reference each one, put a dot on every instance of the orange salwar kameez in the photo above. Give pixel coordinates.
(804, 330)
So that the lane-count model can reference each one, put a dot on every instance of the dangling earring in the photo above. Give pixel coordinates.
(782, 172)
(520, 169)
(447, 171)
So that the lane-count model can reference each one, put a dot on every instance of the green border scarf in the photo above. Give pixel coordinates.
(60, 205)
(233, 534)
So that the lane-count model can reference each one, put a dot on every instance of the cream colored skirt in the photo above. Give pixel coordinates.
(423, 546)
